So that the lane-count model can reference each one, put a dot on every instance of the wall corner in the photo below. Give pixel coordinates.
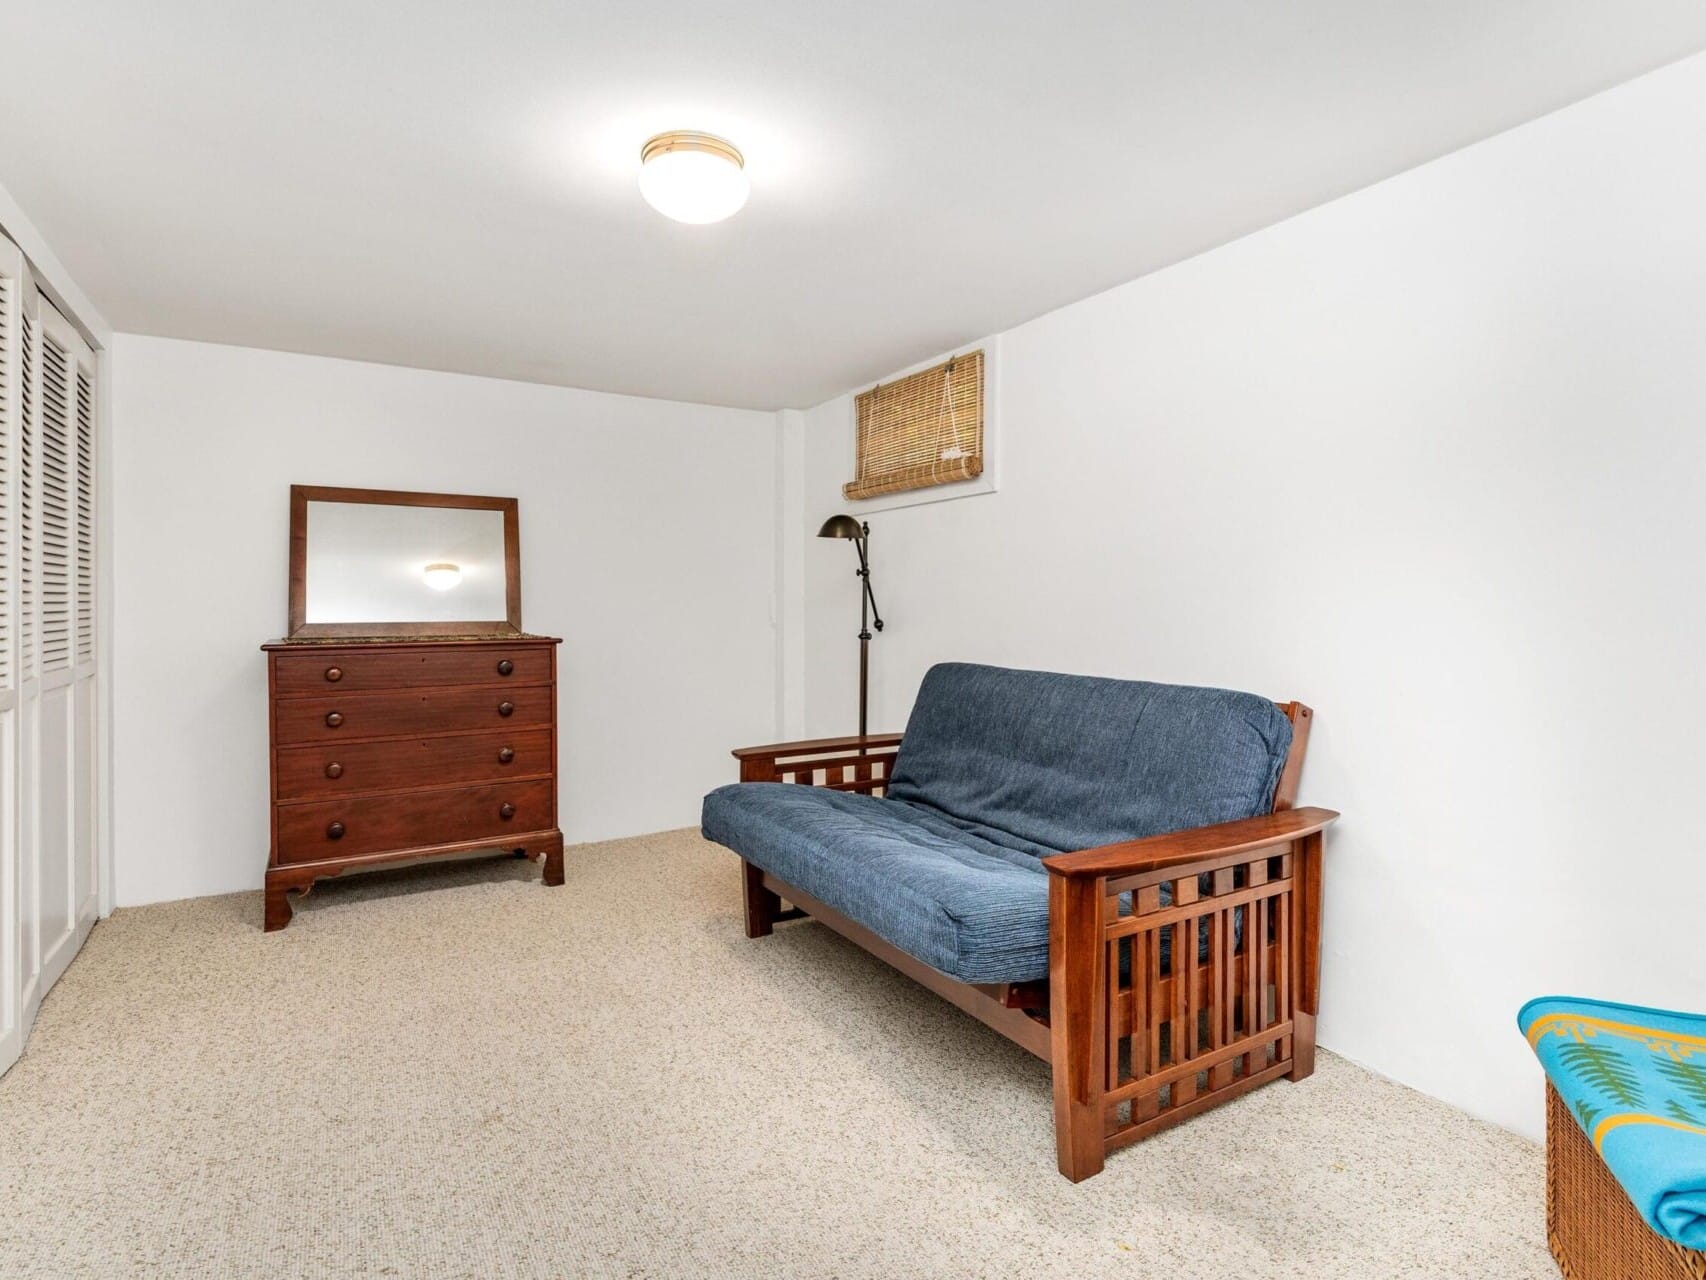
(789, 611)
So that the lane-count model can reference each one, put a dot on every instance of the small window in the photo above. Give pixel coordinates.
(921, 430)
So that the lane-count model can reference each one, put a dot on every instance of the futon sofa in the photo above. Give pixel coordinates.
(1108, 872)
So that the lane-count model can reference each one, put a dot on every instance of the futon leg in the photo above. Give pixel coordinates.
(762, 906)
(1077, 1023)
(1302, 1046)
(1308, 953)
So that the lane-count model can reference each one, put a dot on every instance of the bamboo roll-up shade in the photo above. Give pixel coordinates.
(921, 430)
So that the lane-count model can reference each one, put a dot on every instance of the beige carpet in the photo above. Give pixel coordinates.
(453, 1071)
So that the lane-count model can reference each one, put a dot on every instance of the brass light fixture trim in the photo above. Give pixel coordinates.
(688, 140)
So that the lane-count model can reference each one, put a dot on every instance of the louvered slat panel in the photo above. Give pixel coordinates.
(28, 429)
(57, 384)
(85, 517)
(8, 387)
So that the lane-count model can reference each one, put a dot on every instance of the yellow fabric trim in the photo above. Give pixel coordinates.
(1671, 1042)
(1605, 1126)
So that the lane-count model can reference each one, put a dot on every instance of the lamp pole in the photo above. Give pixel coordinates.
(867, 606)
(859, 534)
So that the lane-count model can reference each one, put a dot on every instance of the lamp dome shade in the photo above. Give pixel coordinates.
(442, 576)
(843, 526)
(692, 177)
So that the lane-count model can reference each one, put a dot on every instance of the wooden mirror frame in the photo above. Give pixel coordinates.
(301, 629)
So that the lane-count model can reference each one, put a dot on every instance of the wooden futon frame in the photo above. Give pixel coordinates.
(1134, 1049)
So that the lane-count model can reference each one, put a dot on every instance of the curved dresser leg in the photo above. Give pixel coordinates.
(278, 910)
(554, 862)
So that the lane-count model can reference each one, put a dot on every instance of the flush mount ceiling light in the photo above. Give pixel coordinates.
(443, 576)
(692, 177)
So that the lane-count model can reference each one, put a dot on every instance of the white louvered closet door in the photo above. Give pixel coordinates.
(13, 380)
(48, 883)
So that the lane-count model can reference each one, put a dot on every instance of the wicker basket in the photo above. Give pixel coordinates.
(1595, 1232)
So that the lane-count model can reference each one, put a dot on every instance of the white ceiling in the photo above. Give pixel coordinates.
(451, 184)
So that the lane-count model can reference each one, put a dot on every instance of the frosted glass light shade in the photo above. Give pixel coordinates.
(692, 177)
(442, 577)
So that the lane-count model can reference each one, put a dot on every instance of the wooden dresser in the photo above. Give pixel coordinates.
(385, 750)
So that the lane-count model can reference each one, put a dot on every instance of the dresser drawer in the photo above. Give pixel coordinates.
(332, 769)
(338, 670)
(376, 824)
(373, 715)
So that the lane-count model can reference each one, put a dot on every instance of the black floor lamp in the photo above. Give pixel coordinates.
(860, 535)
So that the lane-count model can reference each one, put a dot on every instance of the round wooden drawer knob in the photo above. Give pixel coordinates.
(505, 754)
(506, 811)
(334, 770)
(335, 831)
(506, 708)
(334, 719)
(334, 674)
(505, 667)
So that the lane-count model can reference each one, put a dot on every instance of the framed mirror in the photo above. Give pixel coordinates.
(381, 562)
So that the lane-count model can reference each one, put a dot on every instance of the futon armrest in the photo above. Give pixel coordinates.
(853, 763)
(818, 746)
(1199, 844)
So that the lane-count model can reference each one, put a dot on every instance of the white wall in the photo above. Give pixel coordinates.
(1430, 458)
(647, 541)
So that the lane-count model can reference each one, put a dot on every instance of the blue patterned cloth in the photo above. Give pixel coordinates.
(998, 769)
(1635, 1080)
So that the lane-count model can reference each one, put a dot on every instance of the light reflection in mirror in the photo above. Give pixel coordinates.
(370, 562)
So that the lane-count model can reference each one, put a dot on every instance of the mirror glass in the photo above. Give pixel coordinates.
(374, 562)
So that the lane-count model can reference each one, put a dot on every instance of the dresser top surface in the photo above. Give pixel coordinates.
(403, 642)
